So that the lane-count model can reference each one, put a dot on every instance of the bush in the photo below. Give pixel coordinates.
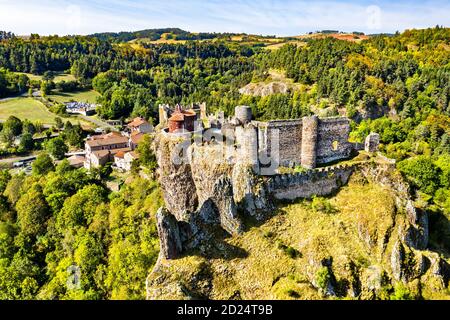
(323, 276)
(401, 292)
(319, 204)
(291, 252)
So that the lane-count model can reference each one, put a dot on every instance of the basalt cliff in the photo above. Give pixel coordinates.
(348, 230)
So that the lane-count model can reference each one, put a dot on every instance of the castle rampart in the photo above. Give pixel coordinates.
(318, 182)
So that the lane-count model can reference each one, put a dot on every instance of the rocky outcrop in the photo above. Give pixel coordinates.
(175, 176)
(169, 234)
(250, 192)
(265, 89)
(415, 233)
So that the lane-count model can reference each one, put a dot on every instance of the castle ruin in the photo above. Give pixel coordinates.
(309, 142)
(214, 172)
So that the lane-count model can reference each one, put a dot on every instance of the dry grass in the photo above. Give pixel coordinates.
(269, 273)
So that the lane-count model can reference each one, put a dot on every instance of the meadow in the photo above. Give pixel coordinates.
(33, 110)
(60, 76)
(81, 96)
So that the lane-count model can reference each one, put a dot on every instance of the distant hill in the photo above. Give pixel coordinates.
(157, 34)
(347, 36)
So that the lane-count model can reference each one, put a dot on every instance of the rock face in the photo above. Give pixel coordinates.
(198, 195)
(385, 247)
(169, 234)
(372, 142)
(262, 89)
(175, 176)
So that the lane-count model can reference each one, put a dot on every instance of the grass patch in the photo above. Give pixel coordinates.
(89, 96)
(60, 76)
(26, 108)
(33, 110)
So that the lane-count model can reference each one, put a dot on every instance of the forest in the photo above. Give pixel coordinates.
(398, 86)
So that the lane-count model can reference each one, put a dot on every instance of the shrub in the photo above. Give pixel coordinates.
(291, 252)
(323, 276)
(319, 204)
(401, 292)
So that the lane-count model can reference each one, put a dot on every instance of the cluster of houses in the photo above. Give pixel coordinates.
(116, 147)
(82, 108)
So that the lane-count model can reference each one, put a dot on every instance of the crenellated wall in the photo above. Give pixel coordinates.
(318, 182)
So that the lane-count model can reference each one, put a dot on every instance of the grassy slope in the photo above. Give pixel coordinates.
(26, 108)
(268, 272)
(82, 96)
(33, 110)
(59, 77)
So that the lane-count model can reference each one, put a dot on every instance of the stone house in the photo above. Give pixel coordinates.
(124, 160)
(139, 125)
(101, 149)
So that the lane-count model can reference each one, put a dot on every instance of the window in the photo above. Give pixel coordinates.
(335, 145)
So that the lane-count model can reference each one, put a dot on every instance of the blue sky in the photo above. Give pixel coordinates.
(273, 17)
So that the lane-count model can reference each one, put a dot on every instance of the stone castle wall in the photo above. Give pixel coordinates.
(332, 140)
(318, 182)
(289, 135)
(309, 142)
(309, 145)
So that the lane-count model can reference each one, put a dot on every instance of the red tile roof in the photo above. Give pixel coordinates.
(137, 122)
(107, 140)
(179, 115)
(120, 154)
(136, 138)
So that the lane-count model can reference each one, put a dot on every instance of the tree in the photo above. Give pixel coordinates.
(57, 148)
(26, 142)
(48, 76)
(5, 176)
(422, 172)
(59, 123)
(43, 164)
(79, 209)
(32, 212)
(45, 88)
(13, 125)
(146, 156)
(28, 127)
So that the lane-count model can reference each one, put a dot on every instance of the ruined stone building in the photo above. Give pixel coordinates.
(210, 170)
(309, 141)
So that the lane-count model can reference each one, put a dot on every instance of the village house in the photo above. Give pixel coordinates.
(124, 160)
(139, 125)
(82, 108)
(116, 147)
(101, 149)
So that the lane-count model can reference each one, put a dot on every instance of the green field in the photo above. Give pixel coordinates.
(33, 110)
(59, 77)
(81, 96)
(26, 108)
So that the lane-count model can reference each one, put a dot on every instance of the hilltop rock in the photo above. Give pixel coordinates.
(265, 89)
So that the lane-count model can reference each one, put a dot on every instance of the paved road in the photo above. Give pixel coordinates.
(15, 159)
(98, 122)
(11, 98)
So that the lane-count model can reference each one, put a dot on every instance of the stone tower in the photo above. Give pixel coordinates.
(246, 138)
(243, 114)
(309, 141)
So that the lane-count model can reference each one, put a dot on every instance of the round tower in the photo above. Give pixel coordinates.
(243, 114)
(309, 141)
(247, 139)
